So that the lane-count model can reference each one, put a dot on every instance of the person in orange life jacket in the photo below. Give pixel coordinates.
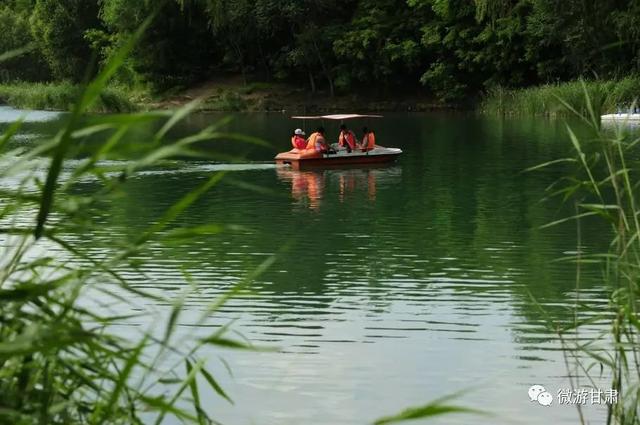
(368, 140)
(297, 140)
(317, 142)
(346, 139)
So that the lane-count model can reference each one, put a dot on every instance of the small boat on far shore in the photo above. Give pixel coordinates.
(302, 158)
(621, 117)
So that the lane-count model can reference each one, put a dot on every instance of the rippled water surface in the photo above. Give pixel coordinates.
(392, 285)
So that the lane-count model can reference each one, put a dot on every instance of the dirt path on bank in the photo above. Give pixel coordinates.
(232, 94)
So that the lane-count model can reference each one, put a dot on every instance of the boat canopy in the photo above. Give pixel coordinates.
(340, 117)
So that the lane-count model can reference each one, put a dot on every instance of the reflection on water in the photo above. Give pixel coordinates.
(398, 285)
(307, 187)
(9, 115)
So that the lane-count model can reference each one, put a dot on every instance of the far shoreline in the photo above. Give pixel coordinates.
(228, 94)
(222, 95)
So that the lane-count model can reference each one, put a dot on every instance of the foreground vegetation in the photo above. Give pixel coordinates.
(62, 361)
(604, 184)
(604, 95)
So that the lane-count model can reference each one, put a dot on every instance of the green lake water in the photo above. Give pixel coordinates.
(392, 286)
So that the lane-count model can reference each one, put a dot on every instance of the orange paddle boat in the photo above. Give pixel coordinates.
(305, 158)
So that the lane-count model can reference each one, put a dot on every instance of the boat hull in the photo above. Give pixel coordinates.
(621, 117)
(298, 160)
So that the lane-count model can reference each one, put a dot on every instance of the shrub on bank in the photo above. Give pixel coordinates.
(61, 95)
(606, 96)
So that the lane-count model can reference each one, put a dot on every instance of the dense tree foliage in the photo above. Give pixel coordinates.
(59, 27)
(177, 49)
(449, 48)
(16, 37)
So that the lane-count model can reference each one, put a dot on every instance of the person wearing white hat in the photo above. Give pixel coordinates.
(297, 139)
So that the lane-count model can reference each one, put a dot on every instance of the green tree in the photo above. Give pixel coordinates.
(28, 65)
(234, 22)
(449, 36)
(626, 22)
(574, 38)
(59, 27)
(381, 45)
(176, 50)
(455, 48)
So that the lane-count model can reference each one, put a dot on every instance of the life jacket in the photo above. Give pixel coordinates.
(298, 142)
(369, 141)
(312, 142)
(349, 137)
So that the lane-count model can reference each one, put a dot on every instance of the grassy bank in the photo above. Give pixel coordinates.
(60, 95)
(221, 94)
(606, 96)
(230, 93)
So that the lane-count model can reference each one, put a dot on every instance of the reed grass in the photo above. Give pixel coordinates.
(61, 359)
(605, 185)
(606, 96)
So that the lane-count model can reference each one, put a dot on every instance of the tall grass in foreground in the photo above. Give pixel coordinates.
(61, 362)
(605, 97)
(61, 96)
(606, 185)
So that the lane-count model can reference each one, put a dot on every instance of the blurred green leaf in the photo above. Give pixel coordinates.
(435, 408)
